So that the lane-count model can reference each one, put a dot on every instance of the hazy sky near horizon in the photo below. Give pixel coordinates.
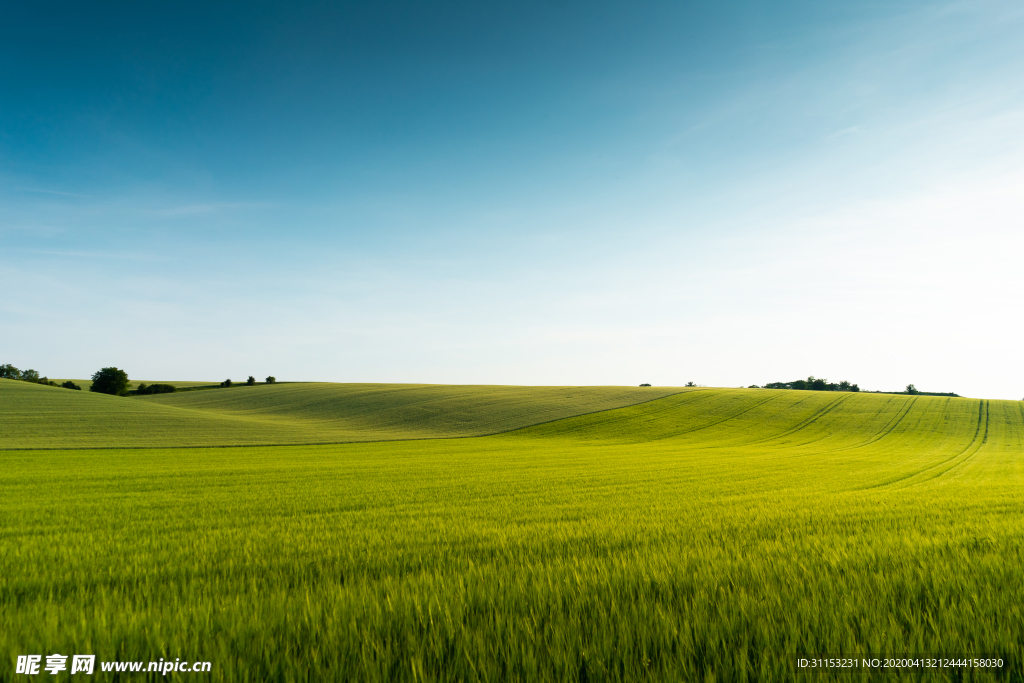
(555, 192)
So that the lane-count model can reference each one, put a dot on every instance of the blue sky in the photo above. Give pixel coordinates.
(524, 193)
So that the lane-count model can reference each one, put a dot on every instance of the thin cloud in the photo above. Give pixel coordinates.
(89, 254)
(56, 192)
(198, 209)
(844, 132)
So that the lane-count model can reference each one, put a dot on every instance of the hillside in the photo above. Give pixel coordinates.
(35, 416)
(864, 440)
(717, 534)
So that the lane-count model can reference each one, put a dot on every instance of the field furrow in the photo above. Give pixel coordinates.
(715, 534)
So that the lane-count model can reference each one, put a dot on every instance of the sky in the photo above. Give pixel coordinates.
(550, 193)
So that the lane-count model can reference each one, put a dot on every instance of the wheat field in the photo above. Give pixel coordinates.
(712, 534)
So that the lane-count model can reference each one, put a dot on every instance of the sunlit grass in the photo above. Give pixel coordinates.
(34, 416)
(710, 535)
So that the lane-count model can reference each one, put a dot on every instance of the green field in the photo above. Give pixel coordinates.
(37, 416)
(711, 534)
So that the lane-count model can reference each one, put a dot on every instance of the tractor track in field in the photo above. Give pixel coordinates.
(891, 426)
(805, 422)
(352, 441)
(919, 477)
(733, 416)
(984, 440)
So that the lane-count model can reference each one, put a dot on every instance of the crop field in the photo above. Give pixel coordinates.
(705, 535)
(36, 416)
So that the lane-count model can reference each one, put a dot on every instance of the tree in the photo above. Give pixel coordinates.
(71, 385)
(226, 383)
(110, 381)
(29, 376)
(8, 371)
(645, 385)
(271, 379)
(251, 381)
(145, 390)
(911, 389)
(690, 384)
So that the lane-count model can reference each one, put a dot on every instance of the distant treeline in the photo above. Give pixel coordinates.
(8, 371)
(146, 389)
(112, 381)
(912, 391)
(812, 383)
(249, 382)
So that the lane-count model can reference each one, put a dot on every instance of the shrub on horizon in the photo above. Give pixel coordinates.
(813, 384)
(156, 389)
(110, 381)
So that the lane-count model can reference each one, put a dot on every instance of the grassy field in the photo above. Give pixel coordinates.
(707, 535)
(36, 416)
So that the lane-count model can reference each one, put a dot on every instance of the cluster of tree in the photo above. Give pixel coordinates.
(8, 371)
(249, 382)
(812, 383)
(111, 381)
(146, 389)
(815, 384)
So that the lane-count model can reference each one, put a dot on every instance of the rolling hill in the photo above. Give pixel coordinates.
(36, 416)
(713, 534)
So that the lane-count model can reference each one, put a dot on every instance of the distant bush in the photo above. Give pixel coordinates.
(689, 384)
(912, 390)
(226, 383)
(271, 379)
(645, 385)
(110, 381)
(251, 381)
(145, 390)
(8, 371)
(813, 383)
